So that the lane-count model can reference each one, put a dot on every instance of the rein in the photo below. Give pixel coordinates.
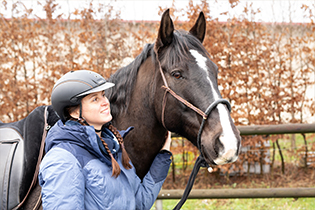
(200, 162)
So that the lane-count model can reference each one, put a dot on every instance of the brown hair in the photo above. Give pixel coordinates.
(125, 157)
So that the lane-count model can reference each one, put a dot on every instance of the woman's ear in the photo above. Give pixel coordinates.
(75, 113)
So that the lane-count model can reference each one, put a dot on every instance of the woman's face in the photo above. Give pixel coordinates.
(95, 109)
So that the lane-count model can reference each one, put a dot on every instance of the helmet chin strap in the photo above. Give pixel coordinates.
(106, 125)
(80, 116)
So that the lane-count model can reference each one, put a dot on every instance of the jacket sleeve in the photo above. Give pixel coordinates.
(151, 185)
(62, 181)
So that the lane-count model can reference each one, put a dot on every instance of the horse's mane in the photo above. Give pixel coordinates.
(178, 51)
(125, 77)
(52, 116)
(124, 80)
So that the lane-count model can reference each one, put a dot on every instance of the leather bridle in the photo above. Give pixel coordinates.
(200, 162)
(204, 115)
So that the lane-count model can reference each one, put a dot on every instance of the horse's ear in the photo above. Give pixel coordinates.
(165, 36)
(199, 29)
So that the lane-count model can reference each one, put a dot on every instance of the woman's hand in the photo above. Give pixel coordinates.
(168, 141)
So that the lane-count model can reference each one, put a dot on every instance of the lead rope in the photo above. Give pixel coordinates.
(40, 156)
(200, 162)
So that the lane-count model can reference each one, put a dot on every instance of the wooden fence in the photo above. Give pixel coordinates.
(276, 129)
(249, 193)
(240, 193)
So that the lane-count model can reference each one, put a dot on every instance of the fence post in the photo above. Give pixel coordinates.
(159, 204)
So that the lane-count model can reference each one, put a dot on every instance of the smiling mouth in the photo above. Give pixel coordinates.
(105, 111)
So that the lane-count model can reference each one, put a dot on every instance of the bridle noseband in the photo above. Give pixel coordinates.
(200, 162)
(207, 113)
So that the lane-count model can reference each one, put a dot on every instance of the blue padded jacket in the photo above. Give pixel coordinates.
(76, 172)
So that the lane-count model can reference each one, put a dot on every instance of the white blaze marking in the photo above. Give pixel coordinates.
(201, 61)
(227, 138)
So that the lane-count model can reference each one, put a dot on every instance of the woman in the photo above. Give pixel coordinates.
(86, 165)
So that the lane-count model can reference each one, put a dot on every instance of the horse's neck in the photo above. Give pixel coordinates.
(147, 138)
(139, 102)
(141, 111)
(144, 142)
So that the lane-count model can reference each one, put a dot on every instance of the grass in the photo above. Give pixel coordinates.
(243, 204)
(285, 145)
(256, 204)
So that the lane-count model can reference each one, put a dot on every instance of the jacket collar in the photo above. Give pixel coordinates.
(84, 136)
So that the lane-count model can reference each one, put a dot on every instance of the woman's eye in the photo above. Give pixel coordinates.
(176, 74)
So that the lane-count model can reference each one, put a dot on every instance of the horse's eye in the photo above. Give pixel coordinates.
(176, 74)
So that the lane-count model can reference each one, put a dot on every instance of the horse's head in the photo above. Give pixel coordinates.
(188, 72)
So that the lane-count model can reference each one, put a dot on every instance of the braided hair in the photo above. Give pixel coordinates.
(125, 157)
(115, 165)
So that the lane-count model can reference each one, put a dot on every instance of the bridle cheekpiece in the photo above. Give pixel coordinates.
(200, 162)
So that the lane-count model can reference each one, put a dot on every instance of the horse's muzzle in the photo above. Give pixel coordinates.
(228, 157)
(227, 153)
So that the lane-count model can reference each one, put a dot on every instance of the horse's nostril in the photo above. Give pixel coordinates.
(229, 160)
(218, 147)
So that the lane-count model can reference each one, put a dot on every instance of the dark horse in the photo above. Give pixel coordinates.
(19, 151)
(164, 88)
(178, 59)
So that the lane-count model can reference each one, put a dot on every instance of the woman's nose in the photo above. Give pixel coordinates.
(105, 101)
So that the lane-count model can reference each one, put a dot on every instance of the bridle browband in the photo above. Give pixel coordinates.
(200, 162)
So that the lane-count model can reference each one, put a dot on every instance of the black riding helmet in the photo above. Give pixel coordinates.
(73, 86)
